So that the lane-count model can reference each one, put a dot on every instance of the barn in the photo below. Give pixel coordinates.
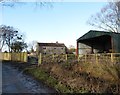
(98, 42)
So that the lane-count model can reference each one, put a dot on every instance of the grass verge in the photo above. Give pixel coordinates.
(42, 75)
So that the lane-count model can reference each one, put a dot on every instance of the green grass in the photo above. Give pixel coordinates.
(62, 88)
(42, 75)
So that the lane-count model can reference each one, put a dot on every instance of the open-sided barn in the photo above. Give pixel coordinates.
(98, 42)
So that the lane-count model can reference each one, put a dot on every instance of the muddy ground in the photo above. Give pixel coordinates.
(14, 81)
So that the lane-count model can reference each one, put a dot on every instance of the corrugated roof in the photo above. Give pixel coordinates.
(95, 33)
(52, 44)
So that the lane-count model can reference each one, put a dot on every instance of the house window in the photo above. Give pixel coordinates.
(44, 48)
(61, 48)
(54, 48)
(44, 53)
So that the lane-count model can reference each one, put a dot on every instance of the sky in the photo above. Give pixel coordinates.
(64, 22)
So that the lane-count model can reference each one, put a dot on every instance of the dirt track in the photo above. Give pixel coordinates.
(13, 81)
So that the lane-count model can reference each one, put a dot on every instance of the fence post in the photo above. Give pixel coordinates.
(22, 55)
(25, 57)
(0, 56)
(53, 56)
(39, 59)
(66, 57)
(85, 58)
(112, 60)
(10, 56)
(96, 58)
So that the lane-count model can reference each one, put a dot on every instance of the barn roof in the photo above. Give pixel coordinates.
(52, 44)
(94, 34)
(100, 38)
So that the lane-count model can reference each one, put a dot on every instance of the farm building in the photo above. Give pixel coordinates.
(51, 48)
(98, 42)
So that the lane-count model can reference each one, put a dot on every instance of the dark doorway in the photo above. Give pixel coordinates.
(100, 43)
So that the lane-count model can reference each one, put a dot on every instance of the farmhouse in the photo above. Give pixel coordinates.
(98, 42)
(51, 48)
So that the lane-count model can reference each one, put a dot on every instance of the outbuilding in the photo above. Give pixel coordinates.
(98, 42)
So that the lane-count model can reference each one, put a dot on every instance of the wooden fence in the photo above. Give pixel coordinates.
(22, 57)
(100, 58)
(90, 58)
(56, 58)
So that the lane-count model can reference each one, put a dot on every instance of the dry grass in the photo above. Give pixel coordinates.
(80, 77)
(86, 77)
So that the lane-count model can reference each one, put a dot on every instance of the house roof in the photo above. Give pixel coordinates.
(95, 33)
(52, 44)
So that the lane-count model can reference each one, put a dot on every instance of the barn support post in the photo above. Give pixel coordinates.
(112, 45)
(77, 50)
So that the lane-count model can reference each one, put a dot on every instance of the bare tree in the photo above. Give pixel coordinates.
(71, 49)
(2, 41)
(108, 18)
(8, 36)
(32, 45)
